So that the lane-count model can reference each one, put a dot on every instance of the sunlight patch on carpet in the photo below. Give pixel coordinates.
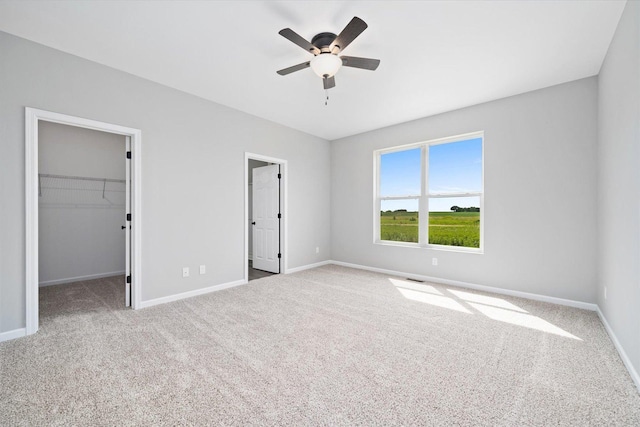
(521, 319)
(422, 287)
(486, 300)
(494, 308)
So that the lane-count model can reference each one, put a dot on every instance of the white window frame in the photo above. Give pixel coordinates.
(424, 196)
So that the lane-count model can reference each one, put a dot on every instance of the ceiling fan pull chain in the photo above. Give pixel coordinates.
(326, 101)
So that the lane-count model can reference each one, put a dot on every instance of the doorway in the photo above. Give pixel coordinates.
(83, 182)
(131, 199)
(265, 216)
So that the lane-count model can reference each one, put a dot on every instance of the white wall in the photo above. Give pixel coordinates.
(80, 233)
(540, 204)
(192, 171)
(619, 184)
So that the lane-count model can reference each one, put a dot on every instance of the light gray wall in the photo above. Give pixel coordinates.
(192, 171)
(79, 230)
(70, 150)
(619, 183)
(540, 204)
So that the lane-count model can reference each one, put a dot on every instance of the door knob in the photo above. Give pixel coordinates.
(253, 223)
(124, 226)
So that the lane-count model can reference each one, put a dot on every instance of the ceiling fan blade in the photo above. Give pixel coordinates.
(294, 37)
(364, 63)
(290, 70)
(329, 82)
(350, 32)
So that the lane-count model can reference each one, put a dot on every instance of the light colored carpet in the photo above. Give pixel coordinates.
(329, 346)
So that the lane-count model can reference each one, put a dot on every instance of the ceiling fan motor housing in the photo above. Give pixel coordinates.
(323, 41)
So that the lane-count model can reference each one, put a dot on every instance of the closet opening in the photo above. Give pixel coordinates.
(82, 216)
(83, 233)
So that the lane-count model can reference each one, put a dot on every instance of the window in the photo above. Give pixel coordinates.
(431, 194)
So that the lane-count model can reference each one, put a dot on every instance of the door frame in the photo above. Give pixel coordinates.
(283, 209)
(32, 117)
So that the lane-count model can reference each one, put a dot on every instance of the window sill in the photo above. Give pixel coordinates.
(460, 249)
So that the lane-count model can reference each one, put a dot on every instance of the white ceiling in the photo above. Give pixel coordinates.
(436, 56)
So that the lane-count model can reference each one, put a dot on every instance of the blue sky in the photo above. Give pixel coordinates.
(453, 167)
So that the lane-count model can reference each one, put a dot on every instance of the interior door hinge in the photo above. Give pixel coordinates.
(279, 216)
(128, 279)
(279, 255)
(128, 217)
(128, 154)
(279, 176)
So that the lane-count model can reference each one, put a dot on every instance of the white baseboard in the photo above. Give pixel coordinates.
(308, 266)
(79, 278)
(621, 352)
(11, 335)
(177, 297)
(194, 293)
(501, 291)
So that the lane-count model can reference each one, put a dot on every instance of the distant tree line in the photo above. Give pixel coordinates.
(453, 208)
(459, 209)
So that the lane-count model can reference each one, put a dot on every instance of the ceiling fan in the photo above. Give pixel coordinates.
(325, 47)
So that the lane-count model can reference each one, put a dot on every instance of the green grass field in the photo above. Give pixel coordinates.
(445, 228)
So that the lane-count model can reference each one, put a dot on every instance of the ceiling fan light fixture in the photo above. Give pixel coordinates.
(326, 64)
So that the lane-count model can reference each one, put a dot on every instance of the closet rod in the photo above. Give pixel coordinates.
(83, 178)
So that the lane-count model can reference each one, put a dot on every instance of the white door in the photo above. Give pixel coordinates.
(127, 226)
(265, 221)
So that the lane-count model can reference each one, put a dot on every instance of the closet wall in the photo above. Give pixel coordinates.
(81, 204)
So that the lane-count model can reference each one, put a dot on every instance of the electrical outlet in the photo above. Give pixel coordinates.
(434, 261)
(605, 292)
(185, 272)
(203, 269)
(317, 249)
